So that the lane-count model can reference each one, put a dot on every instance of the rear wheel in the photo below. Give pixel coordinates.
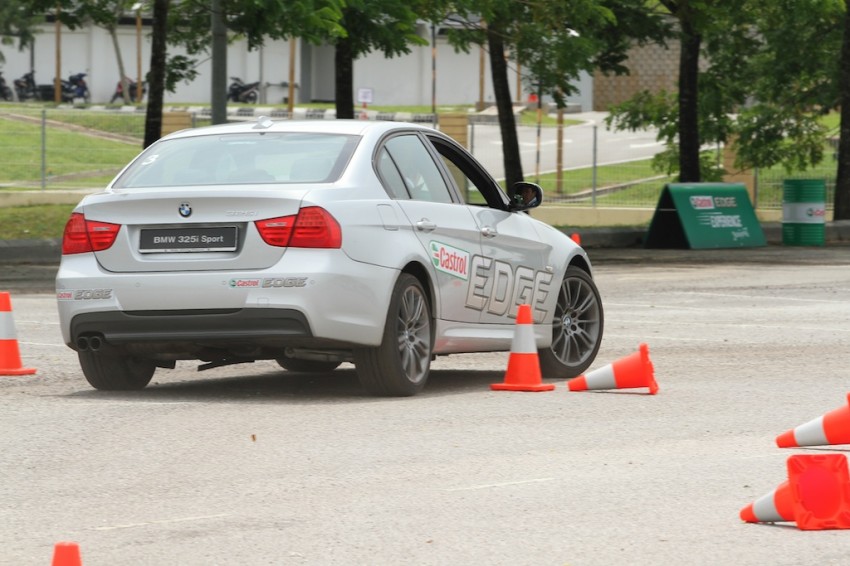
(576, 327)
(307, 366)
(400, 365)
(116, 373)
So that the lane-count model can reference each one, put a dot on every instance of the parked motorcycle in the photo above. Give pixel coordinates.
(75, 87)
(5, 91)
(133, 86)
(240, 91)
(25, 87)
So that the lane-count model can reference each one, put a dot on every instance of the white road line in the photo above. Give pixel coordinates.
(162, 522)
(42, 344)
(504, 484)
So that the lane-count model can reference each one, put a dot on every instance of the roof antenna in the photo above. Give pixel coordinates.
(263, 122)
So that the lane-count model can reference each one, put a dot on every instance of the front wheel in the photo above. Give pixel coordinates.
(576, 327)
(400, 365)
(116, 373)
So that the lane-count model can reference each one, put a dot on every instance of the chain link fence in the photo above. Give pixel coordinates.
(60, 149)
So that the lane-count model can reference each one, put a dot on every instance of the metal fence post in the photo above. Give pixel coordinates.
(43, 149)
(594, 167)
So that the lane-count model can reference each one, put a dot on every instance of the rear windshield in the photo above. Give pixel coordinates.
(253, 158)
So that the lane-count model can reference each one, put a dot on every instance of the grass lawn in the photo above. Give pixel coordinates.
(34, 222)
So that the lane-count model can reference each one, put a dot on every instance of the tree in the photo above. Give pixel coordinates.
(555, 40)
(256, 21)
(105, 14)
(157, 73)
(841, 206)
(17, 22)
(388, 26)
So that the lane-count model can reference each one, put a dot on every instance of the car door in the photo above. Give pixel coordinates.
(444, 226)
(515, 266)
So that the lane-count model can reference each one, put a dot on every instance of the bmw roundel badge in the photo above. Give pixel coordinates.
(185, 210)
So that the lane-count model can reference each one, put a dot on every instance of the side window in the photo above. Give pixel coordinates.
(392, 178)
(476, 186)
(420, 175)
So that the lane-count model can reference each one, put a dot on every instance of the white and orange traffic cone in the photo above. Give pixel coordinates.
(523, 373)
(10, 356)
(816, 495)
(830, 428)
(774, 507)
(633, 371)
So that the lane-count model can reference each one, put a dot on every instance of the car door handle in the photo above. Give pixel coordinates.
(489, 232)
(425, 225)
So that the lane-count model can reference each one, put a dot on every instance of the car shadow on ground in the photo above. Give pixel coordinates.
(340, 385)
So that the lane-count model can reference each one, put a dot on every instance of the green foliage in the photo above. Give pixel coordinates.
(17, 22)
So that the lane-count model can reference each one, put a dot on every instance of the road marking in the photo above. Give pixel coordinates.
(504, 484)
(41, 344)
(643, 145)
(162, 522)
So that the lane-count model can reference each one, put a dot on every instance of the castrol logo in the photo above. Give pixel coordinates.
(450, 260)
(702, 203)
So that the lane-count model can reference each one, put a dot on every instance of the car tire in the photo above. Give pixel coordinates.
(306, 366)
(400, 365)
(576, 327)
(116, 373)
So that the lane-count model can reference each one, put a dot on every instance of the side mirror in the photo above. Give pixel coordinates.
(525, 196)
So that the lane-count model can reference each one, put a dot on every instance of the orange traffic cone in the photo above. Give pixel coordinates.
(830, 428)
(778, 505)
(576, 237)
(66, 554)
(523, 372)
(10, 357)
(632, 371)
(816, 495)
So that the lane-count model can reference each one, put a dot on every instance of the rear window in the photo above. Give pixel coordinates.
(244, 158)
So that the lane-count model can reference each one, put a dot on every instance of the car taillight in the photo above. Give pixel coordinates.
(83, 235)
(313, 227)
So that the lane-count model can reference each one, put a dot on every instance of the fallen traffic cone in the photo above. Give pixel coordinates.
(10, 357)
(66, 554)
(830, 428)
(523, 372)
(778, 505)
(632, 371)
(816, 495)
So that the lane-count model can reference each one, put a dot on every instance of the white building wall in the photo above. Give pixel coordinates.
(399, 81)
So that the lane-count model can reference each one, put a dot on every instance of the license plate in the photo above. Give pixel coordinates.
(163, 240)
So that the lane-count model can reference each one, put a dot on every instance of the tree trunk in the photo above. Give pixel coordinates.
(504, 104)
(120, 59)
(156, 75)
(689, 139)
(841, 209)
(344, 78)
(218, 83)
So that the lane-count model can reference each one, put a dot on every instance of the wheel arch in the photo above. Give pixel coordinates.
(421, 273)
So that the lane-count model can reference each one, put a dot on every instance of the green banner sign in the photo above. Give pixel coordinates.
(704, 215)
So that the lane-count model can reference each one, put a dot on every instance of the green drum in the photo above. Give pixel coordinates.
(803, 212)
